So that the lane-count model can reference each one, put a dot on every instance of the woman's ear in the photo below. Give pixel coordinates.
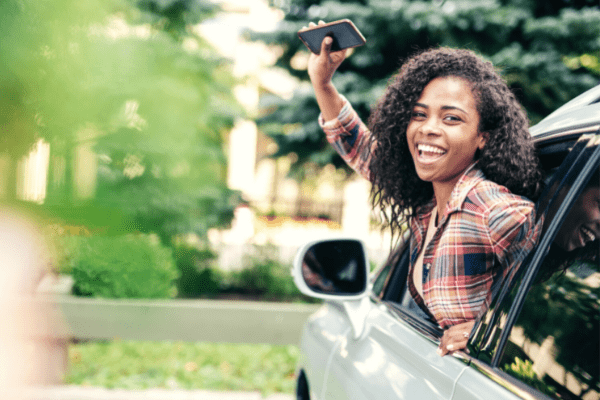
(482, 140)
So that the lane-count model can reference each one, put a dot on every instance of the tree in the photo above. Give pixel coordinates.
(547, 52)
(149, 95)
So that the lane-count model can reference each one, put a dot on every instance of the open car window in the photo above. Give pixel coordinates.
(548, 336)
(389, 286)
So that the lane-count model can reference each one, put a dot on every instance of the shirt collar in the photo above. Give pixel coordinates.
(471, 177)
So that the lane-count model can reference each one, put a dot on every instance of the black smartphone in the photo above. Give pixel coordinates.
(343, 32)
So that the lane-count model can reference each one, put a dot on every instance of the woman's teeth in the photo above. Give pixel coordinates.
(425, 148)
(588, 233)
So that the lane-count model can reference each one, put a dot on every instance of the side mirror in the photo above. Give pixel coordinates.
(332, 269)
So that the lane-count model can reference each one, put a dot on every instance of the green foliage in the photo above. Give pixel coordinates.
(198, 277)
(565, 309)
(265, 276)
(208, 366)
(547, 52)
(130, 266)
(65, 252)
(137, 266)
(176, 15)
(523, 370)
(132, 82)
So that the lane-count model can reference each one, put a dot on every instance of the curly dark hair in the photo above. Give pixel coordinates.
(508, 157)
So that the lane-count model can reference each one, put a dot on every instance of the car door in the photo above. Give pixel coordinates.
(394, 358)
(540, 338)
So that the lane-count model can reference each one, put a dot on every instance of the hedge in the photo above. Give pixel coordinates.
(131, 266)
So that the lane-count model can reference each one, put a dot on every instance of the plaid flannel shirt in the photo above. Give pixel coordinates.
(484, 235)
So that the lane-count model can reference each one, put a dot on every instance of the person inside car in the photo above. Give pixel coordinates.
(448, 151)
(577, 238)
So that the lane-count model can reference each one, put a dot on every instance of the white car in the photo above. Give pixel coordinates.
(538, 339)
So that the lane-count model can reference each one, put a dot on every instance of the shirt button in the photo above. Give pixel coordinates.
(427, 266)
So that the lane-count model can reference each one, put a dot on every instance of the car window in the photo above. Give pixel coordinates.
(553, 346)
(381, 277)
(389, 286)
(389, 281)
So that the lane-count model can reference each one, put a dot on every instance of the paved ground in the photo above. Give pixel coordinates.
(87, 393)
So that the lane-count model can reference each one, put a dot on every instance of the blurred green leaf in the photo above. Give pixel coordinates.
(131, 81)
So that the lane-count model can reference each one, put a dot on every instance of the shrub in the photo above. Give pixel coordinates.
(197, 276)
(64, 253)
(265, 276)
(132, 266)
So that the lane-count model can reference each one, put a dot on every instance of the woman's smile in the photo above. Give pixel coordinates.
(428, 153)
(582, 225)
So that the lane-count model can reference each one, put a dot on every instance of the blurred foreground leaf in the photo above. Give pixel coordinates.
(135, 107)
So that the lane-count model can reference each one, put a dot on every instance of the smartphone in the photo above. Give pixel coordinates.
(343, 32)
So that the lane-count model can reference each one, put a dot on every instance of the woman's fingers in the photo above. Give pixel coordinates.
(311, 24)
(326, 45)
(455, 338)
(322, 66)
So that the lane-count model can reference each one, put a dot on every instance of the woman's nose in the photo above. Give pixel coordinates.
(431, 126)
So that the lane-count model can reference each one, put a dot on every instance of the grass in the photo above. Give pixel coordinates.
(210, 366)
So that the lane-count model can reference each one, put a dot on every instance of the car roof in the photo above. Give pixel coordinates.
(582, 113)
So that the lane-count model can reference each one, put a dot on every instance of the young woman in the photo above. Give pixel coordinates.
(448, 151)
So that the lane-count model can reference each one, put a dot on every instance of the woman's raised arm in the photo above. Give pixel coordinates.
(321, 68)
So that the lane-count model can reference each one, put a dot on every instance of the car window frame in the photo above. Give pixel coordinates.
(491, 335)
(485, 325)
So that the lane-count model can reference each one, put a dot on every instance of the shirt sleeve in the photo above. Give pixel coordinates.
(513, 233)
(349, 136)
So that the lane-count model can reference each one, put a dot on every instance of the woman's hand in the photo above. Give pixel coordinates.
(455, 338)
(321, 67)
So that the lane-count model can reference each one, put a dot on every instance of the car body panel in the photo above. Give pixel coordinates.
(323, 331)
(581, 113)
(378, 364)
(475, 384)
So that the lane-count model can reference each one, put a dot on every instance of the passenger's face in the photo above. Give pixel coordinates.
(443, 134)
(582, 224)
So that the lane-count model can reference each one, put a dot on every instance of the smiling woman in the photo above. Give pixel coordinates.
(582, 226)
(577, 239)
(448, 151)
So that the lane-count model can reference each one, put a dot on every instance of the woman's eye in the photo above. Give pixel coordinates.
(418, 114)
(452, 118)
